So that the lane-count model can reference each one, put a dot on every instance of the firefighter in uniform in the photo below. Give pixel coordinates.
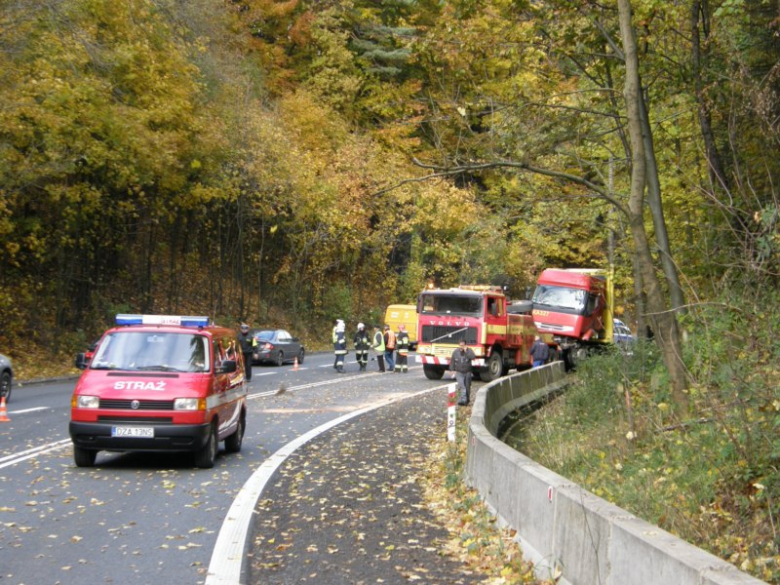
(248, 345)
(362, 345)
(339, 345)
(379, 347)
(402, 345)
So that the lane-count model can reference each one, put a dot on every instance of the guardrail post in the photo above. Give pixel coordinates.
(451, 409)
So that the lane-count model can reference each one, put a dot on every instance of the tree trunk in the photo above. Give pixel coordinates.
(662, 321)
(657, 211)
(718, 179)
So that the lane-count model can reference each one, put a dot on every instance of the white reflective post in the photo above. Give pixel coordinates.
(451, 394)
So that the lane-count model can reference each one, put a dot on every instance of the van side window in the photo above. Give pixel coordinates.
(230, 348)
(219, 352)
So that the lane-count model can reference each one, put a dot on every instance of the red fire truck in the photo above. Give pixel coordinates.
(576, 307)
(500, 334)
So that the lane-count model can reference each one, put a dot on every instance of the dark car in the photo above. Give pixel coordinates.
(277, 346)
(6, 377)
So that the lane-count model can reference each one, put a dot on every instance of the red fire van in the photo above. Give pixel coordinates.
(160, 383)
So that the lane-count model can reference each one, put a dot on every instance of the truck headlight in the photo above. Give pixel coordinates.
(189, 404)
(87, 402)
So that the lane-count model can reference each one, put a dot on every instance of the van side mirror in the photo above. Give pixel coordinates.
(81, 361)
(226, 367)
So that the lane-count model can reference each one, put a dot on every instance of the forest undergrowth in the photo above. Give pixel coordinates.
(709, 475)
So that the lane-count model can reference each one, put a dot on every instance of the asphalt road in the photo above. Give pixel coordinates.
(146, 518)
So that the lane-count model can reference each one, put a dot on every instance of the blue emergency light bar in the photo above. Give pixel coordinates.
(124, 319)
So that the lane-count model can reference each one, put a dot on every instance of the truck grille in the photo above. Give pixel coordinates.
(442, 352)
(440, 334)
(122, 404)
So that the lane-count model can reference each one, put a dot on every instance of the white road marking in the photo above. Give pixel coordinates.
(15, 458)
(228, 554)
(26, 410)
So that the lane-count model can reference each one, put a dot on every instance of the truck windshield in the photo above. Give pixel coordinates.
(152, 352)
(560, 297)
(451, 305)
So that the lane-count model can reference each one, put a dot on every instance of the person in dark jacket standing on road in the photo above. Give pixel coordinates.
(362, 344)
(248, 345)
(540, 352)
(402, 345)
(339, 345)
(379, 347)
(460, 365)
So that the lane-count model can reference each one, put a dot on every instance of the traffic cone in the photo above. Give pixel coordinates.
(295, 364)
(3, 411)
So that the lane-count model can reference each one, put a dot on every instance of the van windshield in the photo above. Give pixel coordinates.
(152, 352)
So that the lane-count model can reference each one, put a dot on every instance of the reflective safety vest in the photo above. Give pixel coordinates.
(390, 344)
(379, 342)
(339, 342)
(403, 343)
(248, 343)
(361, 341)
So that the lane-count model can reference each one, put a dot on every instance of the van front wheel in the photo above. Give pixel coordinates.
(207, 455)
(84, 457)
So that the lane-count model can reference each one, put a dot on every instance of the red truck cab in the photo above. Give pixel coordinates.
(575, 306)
(160, 383)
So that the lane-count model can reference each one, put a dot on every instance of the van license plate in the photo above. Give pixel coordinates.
(146, 432)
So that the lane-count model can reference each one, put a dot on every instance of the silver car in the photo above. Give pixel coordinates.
(6, 377)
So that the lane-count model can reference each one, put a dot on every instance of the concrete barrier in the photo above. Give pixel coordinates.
(569, 533)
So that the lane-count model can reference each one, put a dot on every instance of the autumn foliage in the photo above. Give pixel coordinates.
(288, 162)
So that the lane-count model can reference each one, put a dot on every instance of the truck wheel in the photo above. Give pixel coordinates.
(493, 369)
(234, 441)
(207, 455)
(433, 372)
(84, 457)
